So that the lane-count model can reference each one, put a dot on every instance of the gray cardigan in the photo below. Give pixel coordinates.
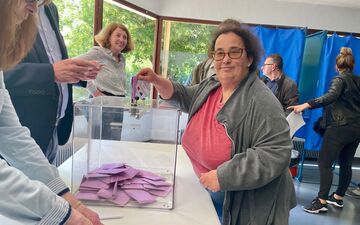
(257, 183)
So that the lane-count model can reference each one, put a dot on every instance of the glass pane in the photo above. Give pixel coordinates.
(141, 28)
(184, 45)
(77, 27)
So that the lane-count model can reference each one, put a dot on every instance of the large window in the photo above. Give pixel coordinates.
(77, 27)
(142, 30)
(184, 45)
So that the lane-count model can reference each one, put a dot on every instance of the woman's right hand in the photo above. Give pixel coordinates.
(299, 108)
(148, 75)
(162, 85)
(77, 218)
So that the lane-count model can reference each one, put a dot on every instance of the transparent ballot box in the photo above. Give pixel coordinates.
(124, 154)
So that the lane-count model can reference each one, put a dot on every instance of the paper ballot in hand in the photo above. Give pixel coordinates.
(140, 89)
(295, 121)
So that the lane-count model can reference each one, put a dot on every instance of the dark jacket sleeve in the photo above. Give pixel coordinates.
(35, 94)
(331, 96)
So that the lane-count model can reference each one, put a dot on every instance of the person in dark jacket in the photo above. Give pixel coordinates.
(40, 86)
(281, 85)
(342, 135)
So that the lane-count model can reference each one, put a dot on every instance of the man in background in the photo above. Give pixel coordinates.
(281, 85)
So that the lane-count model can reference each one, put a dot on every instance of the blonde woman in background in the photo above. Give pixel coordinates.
(113, 40)
(342, 135)
(30, 187)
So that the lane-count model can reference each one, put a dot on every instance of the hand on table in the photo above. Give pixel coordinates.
(89, 214)
(92, 216)
(76, 218)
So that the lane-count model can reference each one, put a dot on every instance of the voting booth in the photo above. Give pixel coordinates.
(125, 152)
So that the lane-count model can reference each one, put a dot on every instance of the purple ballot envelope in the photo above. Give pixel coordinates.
(140, 196)
(161, 193)
(150, 175)
(105, 193)
(121, 198)
(157, 182)
(93, 183)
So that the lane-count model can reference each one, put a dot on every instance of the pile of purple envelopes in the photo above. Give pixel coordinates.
(119, 183)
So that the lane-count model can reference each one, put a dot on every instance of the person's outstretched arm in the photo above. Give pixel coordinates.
(162, 85)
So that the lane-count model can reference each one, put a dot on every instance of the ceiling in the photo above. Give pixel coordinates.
(339, 3)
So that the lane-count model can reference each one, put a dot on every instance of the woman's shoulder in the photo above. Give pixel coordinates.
(99, 49)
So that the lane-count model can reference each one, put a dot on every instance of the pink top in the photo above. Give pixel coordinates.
(205, 140)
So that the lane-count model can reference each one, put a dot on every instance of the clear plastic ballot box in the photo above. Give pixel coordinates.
(112, 131)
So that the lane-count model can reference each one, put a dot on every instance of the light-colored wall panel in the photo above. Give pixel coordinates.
(275, 12)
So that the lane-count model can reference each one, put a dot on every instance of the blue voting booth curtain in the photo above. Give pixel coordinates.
(309, 74)
(289, 43)
(326, 74)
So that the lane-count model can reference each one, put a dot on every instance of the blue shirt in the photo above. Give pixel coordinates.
(272, 84)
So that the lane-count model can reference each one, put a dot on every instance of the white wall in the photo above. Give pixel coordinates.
(274, 12)
(151, 5)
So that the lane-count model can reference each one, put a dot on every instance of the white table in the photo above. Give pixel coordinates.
(192, 203)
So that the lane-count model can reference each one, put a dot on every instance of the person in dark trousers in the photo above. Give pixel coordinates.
(342, 135)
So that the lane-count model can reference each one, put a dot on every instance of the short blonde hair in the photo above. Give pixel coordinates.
(345, 60)
(103, 37)
(16, 39)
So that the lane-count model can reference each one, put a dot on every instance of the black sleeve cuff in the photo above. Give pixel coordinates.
(66, 217)
(61, 193)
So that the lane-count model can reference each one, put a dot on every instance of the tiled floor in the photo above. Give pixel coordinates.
(307, 190)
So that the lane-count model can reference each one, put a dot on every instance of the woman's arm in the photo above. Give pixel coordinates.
(22, 153)
(332, 95)
(25, 199)
(334, 92)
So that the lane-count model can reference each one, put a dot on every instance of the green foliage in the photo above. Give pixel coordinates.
(142, 32)
(188, 47)
(76, 24)
(77, 27)
(188, 43)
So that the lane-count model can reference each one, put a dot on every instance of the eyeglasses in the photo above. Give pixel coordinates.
(268, 64)
(235, 53)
